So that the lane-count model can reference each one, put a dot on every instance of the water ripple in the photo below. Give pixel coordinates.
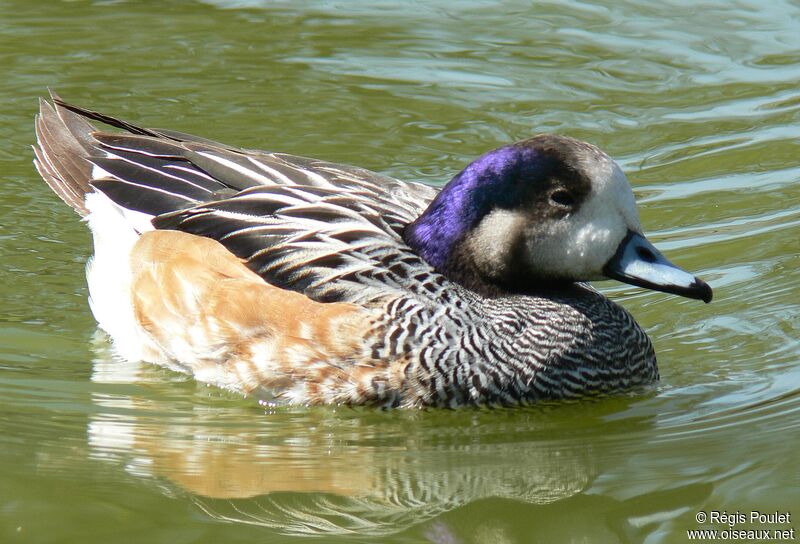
(703, 118)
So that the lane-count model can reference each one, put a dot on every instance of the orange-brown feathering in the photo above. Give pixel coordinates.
(208, 313)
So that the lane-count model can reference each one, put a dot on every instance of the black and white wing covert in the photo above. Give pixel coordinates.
(330, 245)
(162, 170)
(331, 231)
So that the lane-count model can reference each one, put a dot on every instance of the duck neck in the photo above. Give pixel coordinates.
(441, 234)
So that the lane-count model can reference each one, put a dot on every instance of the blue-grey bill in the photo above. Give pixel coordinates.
(639, 263)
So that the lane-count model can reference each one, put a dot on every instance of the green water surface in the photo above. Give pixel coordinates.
(698, 101)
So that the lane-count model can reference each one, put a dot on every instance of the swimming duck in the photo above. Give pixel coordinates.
(315, 282)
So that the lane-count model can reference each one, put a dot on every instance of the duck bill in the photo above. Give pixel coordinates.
(639, 263)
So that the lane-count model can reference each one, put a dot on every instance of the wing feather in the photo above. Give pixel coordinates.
(294, 239)
(329, 230)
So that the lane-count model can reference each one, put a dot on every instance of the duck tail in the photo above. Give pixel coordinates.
(63, 144)
(150, 171)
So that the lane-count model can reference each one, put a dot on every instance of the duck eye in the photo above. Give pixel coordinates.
(562, 197)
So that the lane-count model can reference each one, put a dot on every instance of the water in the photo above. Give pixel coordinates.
(697, 100)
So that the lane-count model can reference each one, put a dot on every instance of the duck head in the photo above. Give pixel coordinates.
(550, 209)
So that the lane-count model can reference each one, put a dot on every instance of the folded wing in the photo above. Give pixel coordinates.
(330, 231)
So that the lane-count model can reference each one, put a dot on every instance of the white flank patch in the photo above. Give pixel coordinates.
(109, 275)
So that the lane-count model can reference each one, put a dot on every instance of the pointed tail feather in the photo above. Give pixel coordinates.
(139, 169)
(63, 140)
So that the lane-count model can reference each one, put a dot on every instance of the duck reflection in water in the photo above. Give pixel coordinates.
(352, 470)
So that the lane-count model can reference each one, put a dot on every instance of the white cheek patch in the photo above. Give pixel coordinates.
(591, 245)
(577, 249)
(578, 246)
(604, 219)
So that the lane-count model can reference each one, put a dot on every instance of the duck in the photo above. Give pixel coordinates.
(307, 282)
